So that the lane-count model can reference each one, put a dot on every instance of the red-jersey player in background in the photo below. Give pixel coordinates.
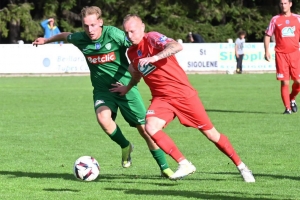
(152, 57)
(286, 28)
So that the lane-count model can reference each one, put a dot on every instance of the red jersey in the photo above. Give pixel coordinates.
(165, 77)
(286, 30)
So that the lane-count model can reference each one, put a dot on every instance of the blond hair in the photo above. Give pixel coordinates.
(91, 11)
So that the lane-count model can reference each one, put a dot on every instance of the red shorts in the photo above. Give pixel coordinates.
(288, 66)
(189, 111)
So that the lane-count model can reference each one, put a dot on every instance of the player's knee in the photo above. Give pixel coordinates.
(150, 128)
(212, 134)
(103, 120)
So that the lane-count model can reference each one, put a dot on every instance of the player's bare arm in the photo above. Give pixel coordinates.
(59, 37)
(123, 89)
(267, 40)
(171, 48)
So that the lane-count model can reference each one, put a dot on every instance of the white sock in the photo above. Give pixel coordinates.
(241, 166)
(184, 162)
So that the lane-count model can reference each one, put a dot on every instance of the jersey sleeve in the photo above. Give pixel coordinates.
(44, 23)
(74, 38)
(271, 28)
(119, 36)
(158, 40)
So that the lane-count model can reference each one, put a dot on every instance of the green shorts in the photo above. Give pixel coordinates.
(131, 105)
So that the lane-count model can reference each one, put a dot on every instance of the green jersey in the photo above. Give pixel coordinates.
(106, 57)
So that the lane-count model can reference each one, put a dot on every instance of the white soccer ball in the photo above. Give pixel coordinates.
(86, 168)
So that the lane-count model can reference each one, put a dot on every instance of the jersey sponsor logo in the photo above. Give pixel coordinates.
(280, 76)
(97, 45)
(98, 102)
(102, 58)
(108, 46)
(150, 112)
(163, 38)
(288, 31)
(146, 69)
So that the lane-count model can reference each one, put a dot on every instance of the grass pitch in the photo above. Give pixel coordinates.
(46, 123)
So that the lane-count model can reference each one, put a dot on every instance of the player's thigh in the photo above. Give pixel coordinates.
(103, 100)
(132, 108)
(295, 65)
(282, 66)
(191, 113)
(160, 108)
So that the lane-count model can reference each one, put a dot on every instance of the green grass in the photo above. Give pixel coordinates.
(46, 123)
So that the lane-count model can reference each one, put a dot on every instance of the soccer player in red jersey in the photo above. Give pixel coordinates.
(286, 28)
(152, 57)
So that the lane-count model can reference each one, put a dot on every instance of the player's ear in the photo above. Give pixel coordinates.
(143, 27)
(101, 22)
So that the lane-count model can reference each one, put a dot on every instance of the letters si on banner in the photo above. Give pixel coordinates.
(200, 57)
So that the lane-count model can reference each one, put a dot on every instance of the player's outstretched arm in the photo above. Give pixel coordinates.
(267, 40)
(59, 37)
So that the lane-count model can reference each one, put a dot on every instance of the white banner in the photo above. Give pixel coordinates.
(221, 57)
(66, 58)
(51, 58)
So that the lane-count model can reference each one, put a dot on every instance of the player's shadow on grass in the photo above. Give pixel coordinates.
(193, 194)
(238, 111)
(258, 175)
(102, 177)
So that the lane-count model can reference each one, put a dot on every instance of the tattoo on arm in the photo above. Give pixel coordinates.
(170, 49)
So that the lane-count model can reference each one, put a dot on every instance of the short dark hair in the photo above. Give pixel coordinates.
(289, 1)
(241, 32)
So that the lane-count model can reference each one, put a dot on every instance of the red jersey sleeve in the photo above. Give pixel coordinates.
(271, 28)
(158, 40)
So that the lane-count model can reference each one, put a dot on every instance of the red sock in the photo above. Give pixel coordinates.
(224, 145)
(167, 145)
(295, 91)
(285, 96)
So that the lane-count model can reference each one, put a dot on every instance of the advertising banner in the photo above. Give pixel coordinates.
(66, 58)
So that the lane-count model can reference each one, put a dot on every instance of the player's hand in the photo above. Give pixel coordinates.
(146, 61)
(267, 57)
(120, 88)
(39, 41)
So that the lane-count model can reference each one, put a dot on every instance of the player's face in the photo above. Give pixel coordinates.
(285, 6)
(92, 26)
(134, 29)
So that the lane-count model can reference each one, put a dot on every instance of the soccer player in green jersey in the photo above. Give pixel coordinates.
(104, 48)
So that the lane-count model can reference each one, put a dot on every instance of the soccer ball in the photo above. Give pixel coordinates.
(86, 168)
